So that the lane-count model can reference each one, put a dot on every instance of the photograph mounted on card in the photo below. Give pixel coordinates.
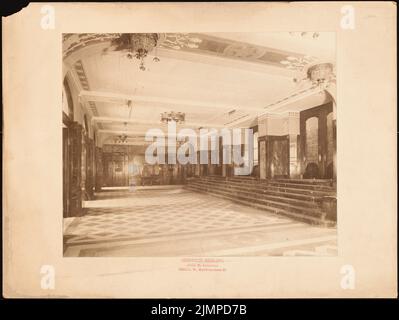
(245, 149)
(154, 154)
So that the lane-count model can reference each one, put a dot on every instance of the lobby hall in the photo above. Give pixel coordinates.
(118, 87)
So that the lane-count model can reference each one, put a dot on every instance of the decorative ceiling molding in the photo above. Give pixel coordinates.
(84, 82)
(192, 52)
(73, 42)
(237, 50)
(293, 102)
(236, 119)
(187, 124)
(140, 132)
(121, 99)
(298, 64)
(179, 41)
(189, 42)
(74, 79)
(291, 97)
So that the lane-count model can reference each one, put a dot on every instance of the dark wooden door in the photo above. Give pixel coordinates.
(317, 139)
(65, 171)
(277, 157)
(115, 169)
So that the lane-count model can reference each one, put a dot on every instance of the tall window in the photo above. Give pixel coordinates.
(256, 159)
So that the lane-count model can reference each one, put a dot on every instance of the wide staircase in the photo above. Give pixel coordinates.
(307, 200)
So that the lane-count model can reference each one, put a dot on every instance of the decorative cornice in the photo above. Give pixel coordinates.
(190, 42)
(84, 82)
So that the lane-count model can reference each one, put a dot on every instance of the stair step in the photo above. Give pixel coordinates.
(308, 201)
(273, 204)
(313, 193)
(286, 183)
(289, 197)
(324, 182)
(327, 182)
(295, 215)
(244, 179)
(301, 186)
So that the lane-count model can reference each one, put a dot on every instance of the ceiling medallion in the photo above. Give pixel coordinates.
(178, 117)
(135, 45)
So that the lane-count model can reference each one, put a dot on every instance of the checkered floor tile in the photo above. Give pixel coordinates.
(158, 216)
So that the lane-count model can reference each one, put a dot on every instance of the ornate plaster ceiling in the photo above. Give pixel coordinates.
(206, 76)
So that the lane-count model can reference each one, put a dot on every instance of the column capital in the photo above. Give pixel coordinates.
(293, 114)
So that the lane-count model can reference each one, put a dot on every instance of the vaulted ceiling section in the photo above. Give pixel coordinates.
(215, 79)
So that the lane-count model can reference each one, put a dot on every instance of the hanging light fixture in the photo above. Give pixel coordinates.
(122, 139)
(136, 45)
(315, 76)
(178, 117)
(321, 75)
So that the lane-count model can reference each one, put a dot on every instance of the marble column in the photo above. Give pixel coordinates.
(293, 132)
(99, 169)
(332, 91)
(76, 170)
(210, 165)
(262, 132)
(198, 165)
(262, 159)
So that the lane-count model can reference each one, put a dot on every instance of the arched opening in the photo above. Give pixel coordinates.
(311, 171)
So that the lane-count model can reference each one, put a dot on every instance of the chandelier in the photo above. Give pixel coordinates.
(136, 45)
(122, 139)
(321, 75)
(178, 117)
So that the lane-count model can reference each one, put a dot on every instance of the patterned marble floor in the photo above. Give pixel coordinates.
(171, 221)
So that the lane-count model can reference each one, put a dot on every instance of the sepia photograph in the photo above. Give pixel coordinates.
(200, 150)
(204, 144)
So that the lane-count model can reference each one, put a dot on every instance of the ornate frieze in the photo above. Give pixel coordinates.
(191, 42)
